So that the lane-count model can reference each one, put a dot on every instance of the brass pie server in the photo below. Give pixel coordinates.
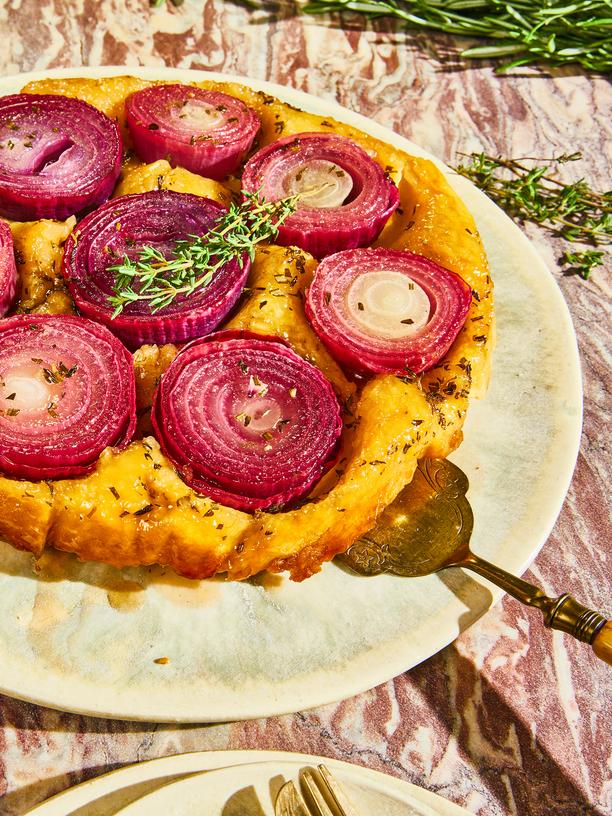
(428, 528)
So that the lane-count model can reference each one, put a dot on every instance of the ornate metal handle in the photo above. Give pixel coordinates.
(564, 612)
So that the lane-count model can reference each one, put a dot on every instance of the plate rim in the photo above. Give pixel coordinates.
(187, 765)
(301, 700)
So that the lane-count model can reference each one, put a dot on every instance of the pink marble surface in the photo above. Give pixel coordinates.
(511, 718)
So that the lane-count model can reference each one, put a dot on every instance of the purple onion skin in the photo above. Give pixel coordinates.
(158, 132)
(159, 217)
(61, 156)
(322, 232)
(450, 298)
(96, 403)
(8, 269)
(225, 460)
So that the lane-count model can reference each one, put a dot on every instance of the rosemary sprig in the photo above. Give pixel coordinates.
(194, 261)
(523, 32)
(534, 193)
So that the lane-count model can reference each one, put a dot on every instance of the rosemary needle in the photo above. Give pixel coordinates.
(159, 280)
(522, 32)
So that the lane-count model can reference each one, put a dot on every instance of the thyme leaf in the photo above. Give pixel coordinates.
(581, 263)
(532, 191)
(159, 280)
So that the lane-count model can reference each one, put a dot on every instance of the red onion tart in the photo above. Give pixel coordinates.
(385, 310)
(66, 393)
(206, 132)
(8, 270)
(246, 421)
(121, 227)
(346, 196)
(58, 156)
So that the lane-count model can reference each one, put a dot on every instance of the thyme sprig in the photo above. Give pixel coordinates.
(159, 280)
(533, 192)
(523, 32)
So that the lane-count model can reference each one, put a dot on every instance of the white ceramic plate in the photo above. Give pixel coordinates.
(237, 780)
(251, 790)
(84, 637)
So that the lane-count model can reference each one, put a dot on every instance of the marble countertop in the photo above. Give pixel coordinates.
(510, 718)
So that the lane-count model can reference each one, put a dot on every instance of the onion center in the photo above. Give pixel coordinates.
(31, 393)
(388, 304)
(54, 157)
(259, 414)
(51, 154)
(30, 155)
(197, 115)
(321, 183)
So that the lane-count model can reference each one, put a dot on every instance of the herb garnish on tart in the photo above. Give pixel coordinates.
(120, 268)
(196, 261)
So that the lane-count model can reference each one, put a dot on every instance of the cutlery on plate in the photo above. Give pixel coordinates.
(428, 528)
(322, 796)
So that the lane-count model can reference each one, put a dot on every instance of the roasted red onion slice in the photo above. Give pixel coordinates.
(347, 197)
(386, 310)
(66, 393)
(8, 270)
(58, 156)
(206, 132)
(246, 421)
(121, 227)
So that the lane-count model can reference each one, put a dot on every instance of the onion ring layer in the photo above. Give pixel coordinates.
(246, 421)
(347, 197)
(206, 132)
(66, 393)
(59, 156)
(8, 269)
(384, 310)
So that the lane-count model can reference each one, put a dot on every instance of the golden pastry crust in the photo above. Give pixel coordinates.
(38, 256)
(134, 509)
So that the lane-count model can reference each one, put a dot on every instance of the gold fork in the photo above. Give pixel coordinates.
(323, 796)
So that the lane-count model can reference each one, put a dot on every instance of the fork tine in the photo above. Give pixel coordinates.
(313, 793)
(323, 796)
(289, 802)
(335, 792)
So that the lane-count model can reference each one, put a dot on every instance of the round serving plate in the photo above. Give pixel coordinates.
(234, 782)
(86, 637)
(251, 790)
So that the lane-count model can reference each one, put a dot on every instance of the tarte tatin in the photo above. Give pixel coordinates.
(135, 507)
